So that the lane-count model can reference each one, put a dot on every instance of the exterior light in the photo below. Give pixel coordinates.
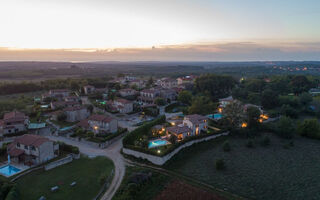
(95, 127)
(244, 125)
(172, 123)
(159, 151)
(220, 110)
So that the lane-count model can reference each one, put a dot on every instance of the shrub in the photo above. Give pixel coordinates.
(265, 141)
(220, 165)
(285, 127)
(309, 128)
(68, 148)
(13, 194)
(249, 144)
(226, 146)
(142, 130)
(103, 178)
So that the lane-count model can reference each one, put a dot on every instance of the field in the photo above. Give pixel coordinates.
(277, 172)
(160, 186)
(85, 172)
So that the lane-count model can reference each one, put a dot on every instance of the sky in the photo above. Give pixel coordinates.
(153, 30)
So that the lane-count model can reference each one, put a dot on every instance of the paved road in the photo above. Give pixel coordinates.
(112, 152)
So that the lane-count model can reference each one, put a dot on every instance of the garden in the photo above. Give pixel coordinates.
(88, 174)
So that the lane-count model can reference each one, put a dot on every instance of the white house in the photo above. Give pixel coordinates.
(123, 105)
(14, 122)
(88, 89)
(127, 92)
(149, 95)
(225, 101)
(76, 113)
(32, 149)
(196, 123)
(100, 124)
(168, 83)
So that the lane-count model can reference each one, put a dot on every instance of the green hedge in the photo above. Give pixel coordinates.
(141, 131)
(68, 148)
(171, 147)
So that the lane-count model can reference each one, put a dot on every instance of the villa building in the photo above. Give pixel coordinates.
(186, 80)
(196, 122)
(180, 131)
(99, 124)
(88, 89)
(168, 94)
(168, 83)
(57, 93)
(14, 122)
(76, 113)
(62, 104)
(123, 105)
(32, 150)
(149, 95)
(225, 101)
(137, 83)
(127, 92)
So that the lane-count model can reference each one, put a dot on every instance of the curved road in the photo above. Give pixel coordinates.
(112, 152)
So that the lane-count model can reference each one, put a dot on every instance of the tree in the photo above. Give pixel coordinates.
(285, 127)
(300, 84)
(62, 117)
(185, 97)
(309, 128)
(269, 99)
(233, 112)
(305, 98)
(214, 85)
(289, 111)
(160, 101)
(201, 105)
(173, 139)
(253, 116)
(150, 82)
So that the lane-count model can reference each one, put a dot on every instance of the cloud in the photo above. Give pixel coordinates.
(227, 51)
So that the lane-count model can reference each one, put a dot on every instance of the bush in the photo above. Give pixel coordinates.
(13, 194)
(138, 133)
(68, 148)
(103, 178)
(226, 146)
(285, 127)
(220, 165)
(309, 128)
(249, 144)
(265, 141)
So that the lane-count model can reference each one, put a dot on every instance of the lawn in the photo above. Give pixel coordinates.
(263, 173)
(85, 172)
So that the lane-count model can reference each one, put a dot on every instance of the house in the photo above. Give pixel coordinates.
(14, 122)
(168, 83)
(76, 113)
(54, 115)
(314, 91)
(149, 95)
(32, 150)
(127, 92)
(225, 101)
(180, 131)
(186, 80)
(99, 124)
(123, 105)
(137, 83)
(72, 99)
(196, 122)
(57, 93)
(62, 104)
(168, 94)
(88, 89)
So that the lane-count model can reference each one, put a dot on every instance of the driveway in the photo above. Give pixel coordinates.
(112, 152)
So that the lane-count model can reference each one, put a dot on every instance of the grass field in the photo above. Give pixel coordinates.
(85, 172)
(263, 173)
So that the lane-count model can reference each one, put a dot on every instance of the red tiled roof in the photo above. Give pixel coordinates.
(14, 115)
(29, 139)
(196, 119)
(123, 101)
(83, 123)
(74, 108)
(14, 152)
(179, 129)
(100, 118)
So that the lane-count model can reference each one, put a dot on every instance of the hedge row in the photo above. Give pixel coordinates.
(141, 131)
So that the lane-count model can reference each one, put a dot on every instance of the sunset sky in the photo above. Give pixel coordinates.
(173, 30)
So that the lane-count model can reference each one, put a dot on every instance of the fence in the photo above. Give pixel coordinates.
(161, 160)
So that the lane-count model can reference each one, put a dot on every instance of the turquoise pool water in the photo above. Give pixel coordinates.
(157, 143)
(9, 170)
(66, 128)
(217, 116)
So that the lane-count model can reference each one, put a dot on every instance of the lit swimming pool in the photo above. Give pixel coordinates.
(9, 170)
(157, 143)
(217, 116)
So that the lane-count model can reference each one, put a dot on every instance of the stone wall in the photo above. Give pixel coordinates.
(57, 163)
(157, 160)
